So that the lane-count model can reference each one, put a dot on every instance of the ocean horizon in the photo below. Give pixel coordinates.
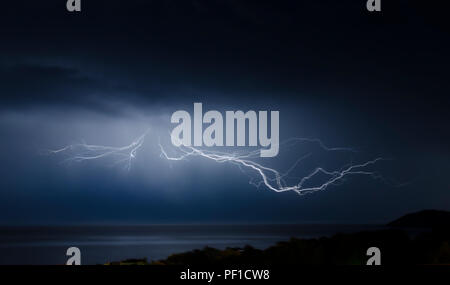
(99, 244)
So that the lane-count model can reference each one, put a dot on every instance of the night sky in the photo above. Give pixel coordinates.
(377, 82)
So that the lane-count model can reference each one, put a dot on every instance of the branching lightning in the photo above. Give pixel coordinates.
(269, 177)
(120, 155)
(272, 178)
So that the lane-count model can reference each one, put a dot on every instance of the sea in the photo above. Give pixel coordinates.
(47, 245)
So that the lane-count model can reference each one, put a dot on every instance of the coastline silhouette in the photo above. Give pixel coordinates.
(417, 238)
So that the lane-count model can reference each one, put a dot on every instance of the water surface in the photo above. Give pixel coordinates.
(101, 244)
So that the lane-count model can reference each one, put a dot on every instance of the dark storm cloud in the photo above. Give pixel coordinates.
(335, 71)
(294, 49)
(40, 85)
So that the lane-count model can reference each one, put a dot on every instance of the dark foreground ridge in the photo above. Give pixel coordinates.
(431, 245)
(423, 219)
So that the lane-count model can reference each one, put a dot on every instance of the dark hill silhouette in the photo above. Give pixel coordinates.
(397, 245)
(423, 219)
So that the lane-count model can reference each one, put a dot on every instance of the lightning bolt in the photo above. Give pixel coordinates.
(120, 155)
(273, 179)
(267, 176)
